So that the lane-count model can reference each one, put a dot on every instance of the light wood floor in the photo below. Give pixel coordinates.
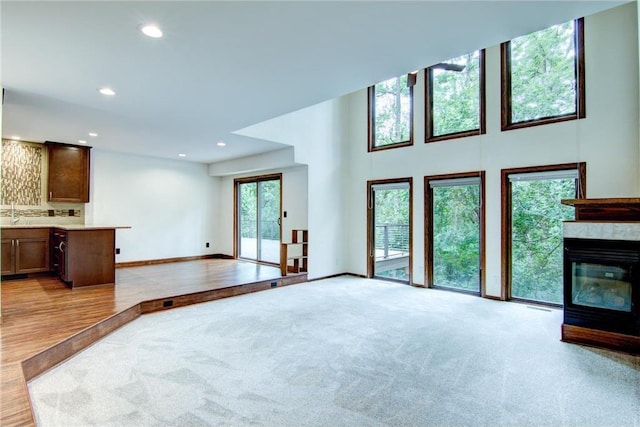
(44, 322)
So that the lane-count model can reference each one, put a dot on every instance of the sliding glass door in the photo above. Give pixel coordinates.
(455, 226)
(258, 202)
(390, 229)
(532, 224)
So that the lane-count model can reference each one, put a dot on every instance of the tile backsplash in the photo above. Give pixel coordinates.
(24, 184)
(21, 173)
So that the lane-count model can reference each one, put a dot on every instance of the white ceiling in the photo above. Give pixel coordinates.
(225, 65)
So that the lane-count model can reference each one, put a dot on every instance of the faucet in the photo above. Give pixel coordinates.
(14, 216)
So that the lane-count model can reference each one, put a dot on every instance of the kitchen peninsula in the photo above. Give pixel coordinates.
(80, 255)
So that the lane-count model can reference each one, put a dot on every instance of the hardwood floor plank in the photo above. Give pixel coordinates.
(44, 322)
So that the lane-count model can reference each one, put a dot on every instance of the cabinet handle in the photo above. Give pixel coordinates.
(50, 195)
(60, 247)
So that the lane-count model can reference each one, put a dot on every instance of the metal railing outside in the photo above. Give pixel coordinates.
(391, 240)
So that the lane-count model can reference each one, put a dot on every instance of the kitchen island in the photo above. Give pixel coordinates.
(80, 255)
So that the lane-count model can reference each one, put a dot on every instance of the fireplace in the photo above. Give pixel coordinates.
(601, 285)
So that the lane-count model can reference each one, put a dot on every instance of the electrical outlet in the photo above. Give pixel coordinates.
(274, 284)
(117, 251)
(207, 244)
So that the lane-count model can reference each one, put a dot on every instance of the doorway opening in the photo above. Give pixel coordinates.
(258, 226)
(454, 227)
(390, 228)
(532, 217)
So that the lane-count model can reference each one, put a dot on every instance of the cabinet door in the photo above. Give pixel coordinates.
(32, 255)
(68, 179)
(7, 256)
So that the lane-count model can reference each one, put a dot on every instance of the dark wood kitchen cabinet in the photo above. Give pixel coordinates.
(68, 177)
(25, 250)
(84, 257)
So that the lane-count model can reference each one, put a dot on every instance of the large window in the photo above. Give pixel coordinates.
(455, 98)
(390, 113)
(532, 219)
(543, 77)
(454, 225)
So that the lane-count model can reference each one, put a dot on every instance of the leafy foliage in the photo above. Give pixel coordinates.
(537, 215)
(543, 82)
(456, 236)
(269, 202)
(456, 96)
(391, 238)
(393, 111)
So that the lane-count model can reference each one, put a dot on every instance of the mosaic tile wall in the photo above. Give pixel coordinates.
(21, 173)
(39, 213)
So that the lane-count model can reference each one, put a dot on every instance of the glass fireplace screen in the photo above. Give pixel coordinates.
(601, 286)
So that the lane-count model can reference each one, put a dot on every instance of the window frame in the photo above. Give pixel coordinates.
(506, 208)
(428, 106)
(505, 83)
(371, 112)
(428, 227)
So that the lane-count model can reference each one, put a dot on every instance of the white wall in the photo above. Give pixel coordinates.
(170, 205)
(607, 140)
(318, 134)
(294, 202)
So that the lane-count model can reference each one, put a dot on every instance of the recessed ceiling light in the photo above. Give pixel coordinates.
(107, 91)
(15, 138)
(151, 31)
(182, 155)
(221, 144)
(93, 134)
(82, 141)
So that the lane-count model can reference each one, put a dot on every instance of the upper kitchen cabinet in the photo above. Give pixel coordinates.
(68, 179)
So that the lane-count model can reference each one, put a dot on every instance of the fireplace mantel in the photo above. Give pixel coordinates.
(613, 209)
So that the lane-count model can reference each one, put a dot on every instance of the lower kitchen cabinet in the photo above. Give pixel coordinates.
(84, 257)
(25, 251)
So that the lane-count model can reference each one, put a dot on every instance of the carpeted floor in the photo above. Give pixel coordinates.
(342, 352)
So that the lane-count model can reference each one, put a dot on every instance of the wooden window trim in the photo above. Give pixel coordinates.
(505, 85)
(428, 109)
(371, 125)
(370, 231)
(428, 226)
(245, 180)
(581, 193)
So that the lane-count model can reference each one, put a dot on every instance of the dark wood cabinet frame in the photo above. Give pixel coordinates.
(428, 227)
(581, 193)
(505, 82)
(370, 219)
(428, 106)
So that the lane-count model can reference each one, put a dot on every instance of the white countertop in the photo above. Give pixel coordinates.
(68, 227)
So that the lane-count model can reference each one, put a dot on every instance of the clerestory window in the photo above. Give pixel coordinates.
(543, 76)
(391, 113)
(455, 98)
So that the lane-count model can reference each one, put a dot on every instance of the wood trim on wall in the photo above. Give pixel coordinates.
(371, 231)
(428, 226)
(170, 260)
(505, 184)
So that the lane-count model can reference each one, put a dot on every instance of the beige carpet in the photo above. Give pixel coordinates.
(342, 352)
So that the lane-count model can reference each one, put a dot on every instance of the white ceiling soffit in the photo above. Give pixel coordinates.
(222, 66)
